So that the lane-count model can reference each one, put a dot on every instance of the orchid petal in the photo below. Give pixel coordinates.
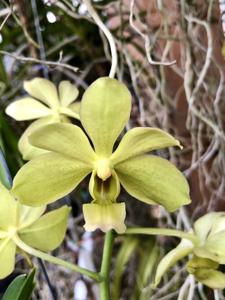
(48, 232)
(44, 90)
(27, 109)
(28, 215)
(170, 259)
(68, 92)
(211, 278)
(66, 139)
(48, 178)
(141, 140)
(154, 180)
(8, 209)
(105, 217)
(7, 257)
(26, 149)
(105, 109)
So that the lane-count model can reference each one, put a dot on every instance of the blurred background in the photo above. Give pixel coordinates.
(171, 57)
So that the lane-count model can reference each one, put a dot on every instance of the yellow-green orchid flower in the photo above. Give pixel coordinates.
(105, 109)
(45, 103)
(207, 253)
(24, 227)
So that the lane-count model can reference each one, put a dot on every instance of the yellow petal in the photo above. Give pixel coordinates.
(105, 217)
(47, 178)
(28, 215)
(154, 180)
(141, 140)
(27, 109)
(75, 107)
(26, 149)
(8, 209)
(69, 112)
(170, 259)
(211, 278)
(44, 90)
(66, 139)
(7, 257)
(48, 232)
(203, 225)
(105, 109)
(68, 92)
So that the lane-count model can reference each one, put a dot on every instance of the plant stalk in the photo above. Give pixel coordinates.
(163, 231)
(55, 260)
(105, 266)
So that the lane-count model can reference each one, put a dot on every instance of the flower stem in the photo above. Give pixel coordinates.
(105, 266)
(55, 260)
(163, 231)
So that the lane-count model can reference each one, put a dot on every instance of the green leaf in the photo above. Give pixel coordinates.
(4, 172)
(48, 232)
(154, 180)
(126, 251)
(47, 178)
(141, 140)
(21, 287)
(105, 109)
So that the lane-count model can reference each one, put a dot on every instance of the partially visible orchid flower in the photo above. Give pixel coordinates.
(23, 227)
(206, 254)
(105, 109)
(47, 105)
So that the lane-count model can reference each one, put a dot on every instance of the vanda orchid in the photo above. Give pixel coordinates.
(105, 109)
(47, 105)
(23, 229)
(206, 250)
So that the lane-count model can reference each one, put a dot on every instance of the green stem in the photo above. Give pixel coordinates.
(105, 267)
(163, 231)
(54, 260)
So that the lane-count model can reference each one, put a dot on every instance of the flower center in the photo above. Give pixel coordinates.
(11, 231)
(103, 169)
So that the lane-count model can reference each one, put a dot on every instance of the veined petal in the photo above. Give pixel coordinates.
(66, 139)
(28, 215)
(211, 278)
(27, 109)
(154, 180)
(26, 149)
(105, 109)
(48, 178)
(141, 140)
(215, 244)
(8, 209)
(104, 191)
(105, 217)
(7, 257)
(170, 259)
(203, 225)
(48, 232)
(44, 90)
(68, 92)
